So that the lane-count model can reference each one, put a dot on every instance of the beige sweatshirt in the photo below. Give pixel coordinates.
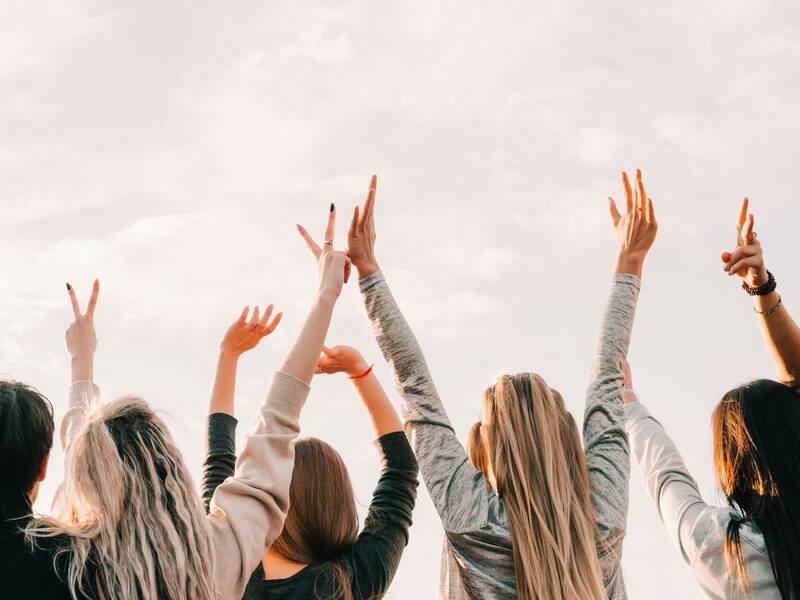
(247, 510)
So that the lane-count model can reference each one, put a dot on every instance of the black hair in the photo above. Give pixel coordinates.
(26, 435)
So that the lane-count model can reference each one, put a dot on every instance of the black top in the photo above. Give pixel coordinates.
(373, 560)
(25, 574)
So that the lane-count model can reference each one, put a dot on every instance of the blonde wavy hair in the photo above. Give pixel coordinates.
(531, 444)
(135, 526)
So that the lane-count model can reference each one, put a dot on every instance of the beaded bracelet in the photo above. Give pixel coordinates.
(364, 374)
(769, 311)
(761, 290)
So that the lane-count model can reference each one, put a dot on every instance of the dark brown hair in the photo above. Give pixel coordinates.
(322, 521)
(756, 430)
(26, 435)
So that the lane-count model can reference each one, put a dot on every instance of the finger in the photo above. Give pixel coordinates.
(353, 224)
(265, 318)
(369, 203)
(726, 257)
(747, 229)
(76, 309)
(742, 265)
(348, 267)
(327, 351)
(742, 213)
(93, 299)
(254, 318)
(612, 208)
(651, 212)
(742, 252)
(312, 245)
(330, 230)
(628, 192)
(243, 316)
(640, 188)
(275, 322)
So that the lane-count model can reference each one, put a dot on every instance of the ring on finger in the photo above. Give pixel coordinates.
(329, 242)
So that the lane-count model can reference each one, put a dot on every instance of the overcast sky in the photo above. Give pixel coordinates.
(169, 149)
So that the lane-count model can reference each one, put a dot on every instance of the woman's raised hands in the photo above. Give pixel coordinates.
(334, 266)
(81, 337)
(244, 335)
(747, 260)
(341, 359)
(361, 237)
(636, 228)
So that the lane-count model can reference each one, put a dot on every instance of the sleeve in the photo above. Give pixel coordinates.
(457, 489)
(376, 554)
(248, 510)
(221, 454)
(84, 396)
(680, 506)
(605, 440)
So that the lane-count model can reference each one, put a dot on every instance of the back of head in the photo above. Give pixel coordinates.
(322, 521)
(757, 461)
(533, 447)
(135, 525)
(26, 437)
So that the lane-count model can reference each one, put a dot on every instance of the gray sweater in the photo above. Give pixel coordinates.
(477, 558)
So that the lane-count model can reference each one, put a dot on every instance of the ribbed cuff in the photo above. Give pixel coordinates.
(287, 394)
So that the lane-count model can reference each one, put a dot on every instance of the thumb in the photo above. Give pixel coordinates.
(726, 256)
(327, 352)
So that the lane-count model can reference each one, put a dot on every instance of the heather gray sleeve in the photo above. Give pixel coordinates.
(458, 491)
(605, 440)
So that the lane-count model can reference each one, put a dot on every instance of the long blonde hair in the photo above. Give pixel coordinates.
(135, 526)
(533, 446)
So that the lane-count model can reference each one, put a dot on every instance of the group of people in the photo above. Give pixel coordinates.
(530, 508)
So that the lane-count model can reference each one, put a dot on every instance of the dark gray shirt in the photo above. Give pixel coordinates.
(478, 560)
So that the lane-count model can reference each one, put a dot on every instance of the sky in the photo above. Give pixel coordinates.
(169, 149)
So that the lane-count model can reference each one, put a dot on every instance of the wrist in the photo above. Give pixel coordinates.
(367, 269)
(228, 355)
(629, 262)
(326, 296)
(82, 367)
(758, 279)
(357, 368)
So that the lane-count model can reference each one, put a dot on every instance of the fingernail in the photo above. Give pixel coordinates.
(332, 207)
(69, 287)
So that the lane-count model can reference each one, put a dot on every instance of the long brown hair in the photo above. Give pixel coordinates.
(533, 447)
(322, 521)
(756, 431)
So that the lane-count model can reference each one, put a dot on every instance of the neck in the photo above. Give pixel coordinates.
(277, 566)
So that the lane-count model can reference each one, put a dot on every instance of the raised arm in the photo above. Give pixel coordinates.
(780, 332)
(344, 359)
(605, 440)
(666, 477)
(442, 459)
(242, 336)
(385, 533)
(248, 510)
(81, 340)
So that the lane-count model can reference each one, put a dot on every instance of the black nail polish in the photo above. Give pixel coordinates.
(332, 207)
(69, 287)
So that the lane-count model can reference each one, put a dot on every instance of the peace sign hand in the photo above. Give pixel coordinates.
(80, 335)
(333, 266)
(747, 260)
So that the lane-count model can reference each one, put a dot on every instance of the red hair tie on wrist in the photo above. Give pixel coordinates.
(364, 374)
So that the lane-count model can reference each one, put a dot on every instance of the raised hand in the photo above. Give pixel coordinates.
(341, 359)
(244, 335)
(334, 266)
(81, 337)
(637, 228)
(361, 236)
(747, 260)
